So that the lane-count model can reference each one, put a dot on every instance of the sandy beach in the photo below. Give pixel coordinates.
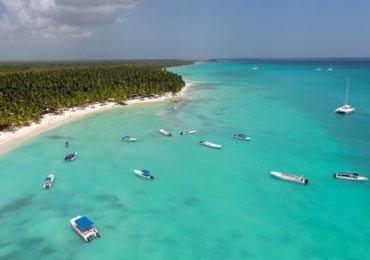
(11, 139)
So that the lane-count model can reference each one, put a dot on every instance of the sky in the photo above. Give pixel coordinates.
(183, 29)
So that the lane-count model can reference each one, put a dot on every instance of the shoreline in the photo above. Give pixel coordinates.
(10, 140)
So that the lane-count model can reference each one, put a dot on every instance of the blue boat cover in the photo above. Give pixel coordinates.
(83, 223)
(145, 171)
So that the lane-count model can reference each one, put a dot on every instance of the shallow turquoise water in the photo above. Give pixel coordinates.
(204, 203)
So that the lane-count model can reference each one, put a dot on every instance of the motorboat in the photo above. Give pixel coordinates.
(242, 137)
(129, 139)
(48, 182)
(255, 68)
(70, 157)
(289, 177)
(346, 109)
(188, 132)
(330, 69)
(165, 132)
(84, 227)
(210, 144)
(144, 173)
(351, 176)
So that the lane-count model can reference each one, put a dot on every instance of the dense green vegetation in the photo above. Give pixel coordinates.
(30, 92)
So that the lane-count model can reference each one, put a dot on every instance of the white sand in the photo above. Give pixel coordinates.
(10, 140)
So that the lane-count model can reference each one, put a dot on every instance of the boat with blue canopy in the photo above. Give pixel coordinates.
(144, 173)
(48, 182)
(84, 227)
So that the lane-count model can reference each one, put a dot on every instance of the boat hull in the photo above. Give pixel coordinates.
(165, 132)
(142, 175)
(349, 178)
(210, 144)
(289, 177)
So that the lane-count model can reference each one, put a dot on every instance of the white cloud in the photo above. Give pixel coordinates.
(61, 18)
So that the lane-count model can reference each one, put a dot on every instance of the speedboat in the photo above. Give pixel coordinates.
(289, 177)
(188, 132)
(84, 227)
(165, 132)
(242, 137)
(128, 139)
(144, 173)
(210, 144)
(48, 182)
(351, 176)
(70, 157)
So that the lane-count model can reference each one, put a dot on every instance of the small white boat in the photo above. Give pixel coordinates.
(242, 137)
(165, 132)
(346, 109)
(84, 227)
(144, 173)
(48, 182)
(70, 157)
(188, 132)
(255, 68)
(319, 69)
(330, 69)
(351, 176)
(289, 177)
(129, 139)
(210, 144)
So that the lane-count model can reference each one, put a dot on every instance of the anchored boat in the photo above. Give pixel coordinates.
(188, 132)
(165, 132)
(48, 182)
(144, 173)
(346, 109)
(70, 157)
(84, 227)
(210, 144)
(289, 177)
(128, 139)
(242, 137)
(351, 176)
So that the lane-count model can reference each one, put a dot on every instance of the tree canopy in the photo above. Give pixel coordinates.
(26, 96)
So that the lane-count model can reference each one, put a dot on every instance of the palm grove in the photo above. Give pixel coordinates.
(26, 96)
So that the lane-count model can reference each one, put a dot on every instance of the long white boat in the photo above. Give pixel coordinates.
(70, 157)
(188, 132)
(289, 177)
(350, 176)
(48, 182)
(144, 173)
(165, 132)
(210, 144)
(129, 139)
(84, 227)
(346, 109)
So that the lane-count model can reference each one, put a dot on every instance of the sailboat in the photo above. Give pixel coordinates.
(346, 109)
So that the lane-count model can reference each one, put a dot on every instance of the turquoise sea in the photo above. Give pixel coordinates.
(204, 203)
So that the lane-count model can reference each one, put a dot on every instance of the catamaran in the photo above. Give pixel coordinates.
(188, 132)
(346, 109)
(289, 177)
(129, 139)
(48, 182)
(165, 132)
(210, 144)
(351, 176)
(144, 173)
(84, 227)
